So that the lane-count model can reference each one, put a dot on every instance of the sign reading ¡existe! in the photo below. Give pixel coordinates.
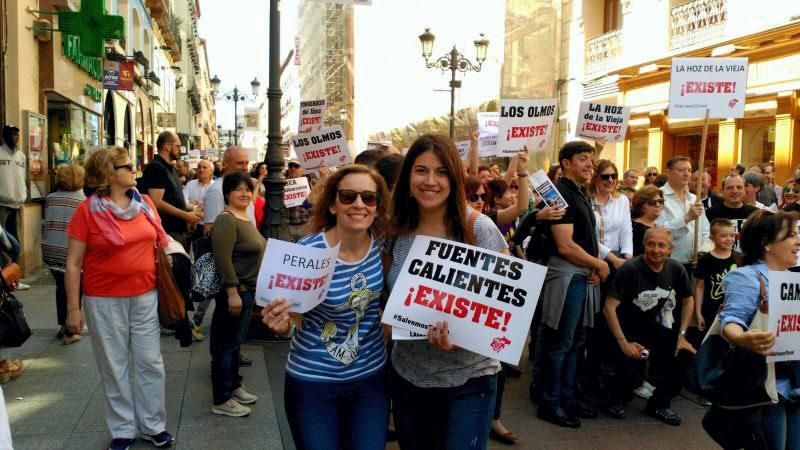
(784, 315)
(716, 84)
(325, 146)
(525, 123)
(478, 292)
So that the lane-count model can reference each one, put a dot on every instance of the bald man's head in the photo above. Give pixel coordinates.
(235, 159)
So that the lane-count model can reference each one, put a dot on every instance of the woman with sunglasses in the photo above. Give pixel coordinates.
(650, 175)
(613, 214)
(790, 197)
(335, 388)
(443, 396)
(111, 257)
(646, 207)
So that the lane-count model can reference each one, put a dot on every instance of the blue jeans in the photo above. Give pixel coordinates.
(351, 414)
(557, 351)
(781, 425)
(227, 335)
(443, 418)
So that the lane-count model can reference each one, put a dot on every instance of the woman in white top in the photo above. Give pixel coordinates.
(612, 213)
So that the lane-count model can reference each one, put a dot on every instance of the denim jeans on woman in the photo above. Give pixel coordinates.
(774, 427)
(352, 414)
(227, 335)
(452, 418)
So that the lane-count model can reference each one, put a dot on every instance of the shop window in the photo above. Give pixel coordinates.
(758, 144)
(637, 154)
(612, 15)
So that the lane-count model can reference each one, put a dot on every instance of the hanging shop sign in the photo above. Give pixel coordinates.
(118, 76)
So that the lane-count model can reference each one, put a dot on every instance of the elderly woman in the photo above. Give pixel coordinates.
(59, 208)
(769, 244)
(111, 256)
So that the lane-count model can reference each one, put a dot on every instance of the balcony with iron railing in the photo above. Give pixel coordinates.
(603, 51)
(697, 21)
(168, 25)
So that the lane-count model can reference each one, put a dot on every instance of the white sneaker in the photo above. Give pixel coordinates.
(231, 408)
(244, 397)
(649, 387)
(23, 287)
(643, 392)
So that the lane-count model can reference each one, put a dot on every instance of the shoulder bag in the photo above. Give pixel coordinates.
(734, 377)
(14, 329)
(171, 306)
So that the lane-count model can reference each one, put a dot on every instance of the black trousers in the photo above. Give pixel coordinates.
(61, 299)
(621, 375)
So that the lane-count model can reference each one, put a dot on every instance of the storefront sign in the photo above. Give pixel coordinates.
(91, 26)
(784, 315)
(93, 93)
(90, 65)
(166, 120)
(716, 84)
(326, 146)
(600, 121)
(251, 122)
(525, 123)
(118, 76)
(480, 293)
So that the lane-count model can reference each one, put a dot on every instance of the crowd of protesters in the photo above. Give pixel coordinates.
(639, 265)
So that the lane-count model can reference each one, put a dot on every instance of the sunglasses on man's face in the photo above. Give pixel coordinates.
(654, 202)
(348, 197)
(124, 166)
(608, 176)
(474, 197)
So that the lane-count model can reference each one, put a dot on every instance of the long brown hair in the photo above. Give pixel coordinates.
(602, 165)
(323, 219)
(404, 215)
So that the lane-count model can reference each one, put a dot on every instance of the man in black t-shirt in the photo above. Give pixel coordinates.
(733, 207)
(641, 288)
(161, 182)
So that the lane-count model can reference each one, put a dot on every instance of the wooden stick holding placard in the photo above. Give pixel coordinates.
(699, 187)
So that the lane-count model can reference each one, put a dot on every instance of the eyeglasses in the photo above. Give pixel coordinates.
(652, 174)
(124, 166)
(655, 201)
(347, 197)
(788, 190)
(475, 197)
(608, 176)
(513, 186)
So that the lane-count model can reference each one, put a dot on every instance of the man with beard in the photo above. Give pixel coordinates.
(162, 183)
(733, 207)
(641, 288)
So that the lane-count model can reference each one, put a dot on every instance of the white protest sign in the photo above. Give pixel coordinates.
(480, 293)
(312, 116)
(401, 334)
(299, 273)
(252, 154)
(598, 121)
(487, 133)
(784, 315)
(463, 149)
(524, 122)
(324, 146)
(296, 191)
(718, 84)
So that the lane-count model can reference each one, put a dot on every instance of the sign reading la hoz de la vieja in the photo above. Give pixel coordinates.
(486, 297)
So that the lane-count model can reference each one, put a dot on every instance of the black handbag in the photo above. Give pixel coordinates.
(14, 329)
(733, 377)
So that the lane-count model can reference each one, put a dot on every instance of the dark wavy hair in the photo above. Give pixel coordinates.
(232, 181)
(404, 210)
(761, 229)
(322, 218)
(642, 196)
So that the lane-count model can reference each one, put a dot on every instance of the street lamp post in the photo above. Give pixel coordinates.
(235, 96)
(453, 61)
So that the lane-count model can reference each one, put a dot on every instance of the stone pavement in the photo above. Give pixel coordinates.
(57, 402)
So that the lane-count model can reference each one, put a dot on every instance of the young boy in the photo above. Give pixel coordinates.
(711, 269)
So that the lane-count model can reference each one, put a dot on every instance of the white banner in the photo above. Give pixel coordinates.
(299, 273)
(718, 84)
(312, 116)
(463, 149)
(525, 123)
(296, 191)
(487, 133)
(784, 315)
(597, 120)
(480, 293)
(324, 146)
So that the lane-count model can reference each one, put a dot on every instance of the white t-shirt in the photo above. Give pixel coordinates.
(214, 203)
(194, 191)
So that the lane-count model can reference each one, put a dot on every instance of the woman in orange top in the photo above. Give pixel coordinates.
(111, 254)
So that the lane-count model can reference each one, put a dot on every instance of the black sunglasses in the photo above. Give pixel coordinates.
(608, 176)
(475, 197)
(787, 190)
(513, 186)
(347, 197)
(124, 166)
(652, 174)
(655, 201)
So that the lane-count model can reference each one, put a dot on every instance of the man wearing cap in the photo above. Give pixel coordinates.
(296, 216)
(13, 168)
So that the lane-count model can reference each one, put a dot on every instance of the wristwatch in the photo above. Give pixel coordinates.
(683, 333)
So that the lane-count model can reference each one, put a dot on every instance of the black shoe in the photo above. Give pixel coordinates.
(665, 415)
(532, 393)
(578, 410)
(561, 420)
(615, 410)
(512, 371)
(244, 361)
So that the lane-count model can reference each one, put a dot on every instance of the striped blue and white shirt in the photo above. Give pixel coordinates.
(341, 339)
